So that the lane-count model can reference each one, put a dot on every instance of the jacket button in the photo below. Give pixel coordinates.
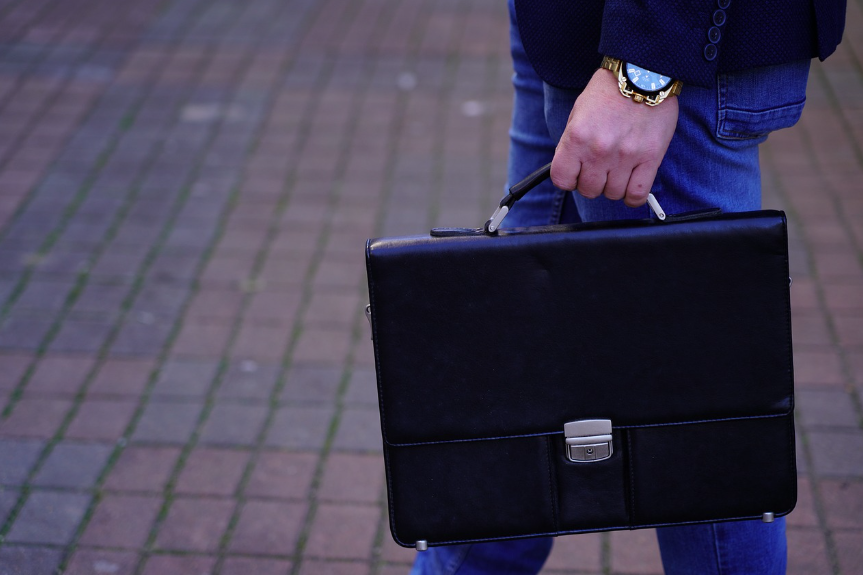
(724, 4)
(710, 52)
(714, 34)
(719, 17)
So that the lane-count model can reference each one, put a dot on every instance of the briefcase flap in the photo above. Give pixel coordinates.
(642, 323)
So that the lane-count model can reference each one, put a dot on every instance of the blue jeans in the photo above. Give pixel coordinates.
(712, 162)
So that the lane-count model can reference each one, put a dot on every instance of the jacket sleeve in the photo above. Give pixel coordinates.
(677, 38)
(690, 40)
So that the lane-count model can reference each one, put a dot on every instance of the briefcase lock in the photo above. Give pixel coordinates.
(588, 440)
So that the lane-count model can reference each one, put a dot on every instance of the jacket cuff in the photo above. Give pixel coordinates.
(677, 41)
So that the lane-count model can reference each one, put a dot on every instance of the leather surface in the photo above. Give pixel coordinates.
(679, 333)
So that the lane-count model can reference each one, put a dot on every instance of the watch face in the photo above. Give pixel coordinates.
(645, 80)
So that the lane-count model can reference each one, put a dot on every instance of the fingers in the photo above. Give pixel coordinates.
(615, 186)
(618, 184)
(640, 182)
(565, 170)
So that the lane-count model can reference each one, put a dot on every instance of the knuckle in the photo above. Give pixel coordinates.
(614, 193)
(629, 150)
(634, 200)
(601, 147)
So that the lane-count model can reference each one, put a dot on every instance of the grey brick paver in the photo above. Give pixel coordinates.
(49, 517)
(362, 388)
(838, 453)
(141, 336)
(17, 560)
(313, 567)
(8, 499)
(311, 383)
(17, 458)
(249, 379)
(82, 335)
(185, 378)
(73, 465)
(244, 565)
(22, 332)
(232, 424)
(171, 565)
(826, 408)
(96, 561)
(359, 430)
(299, 428)
(167, 422)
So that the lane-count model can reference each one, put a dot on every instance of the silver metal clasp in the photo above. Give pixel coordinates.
(654, 205)
(497, 218)
(588, 440)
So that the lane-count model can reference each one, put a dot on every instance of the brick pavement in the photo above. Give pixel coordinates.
(186, 380)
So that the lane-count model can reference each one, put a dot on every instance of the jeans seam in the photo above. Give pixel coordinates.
(557, 208)
(548, 455)
(631, 463)
(716, 545)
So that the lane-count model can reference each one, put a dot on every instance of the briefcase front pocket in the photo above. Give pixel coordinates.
(449, 493)
(501, 488)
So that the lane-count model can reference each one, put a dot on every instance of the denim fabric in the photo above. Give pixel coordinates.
(712, 162)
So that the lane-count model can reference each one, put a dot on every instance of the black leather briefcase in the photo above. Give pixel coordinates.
(573, 378)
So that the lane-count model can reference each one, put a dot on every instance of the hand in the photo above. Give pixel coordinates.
(612, 146)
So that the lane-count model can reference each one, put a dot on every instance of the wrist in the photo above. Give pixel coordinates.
(640, 84)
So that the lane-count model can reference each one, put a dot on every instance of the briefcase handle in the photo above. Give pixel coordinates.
(517, 192)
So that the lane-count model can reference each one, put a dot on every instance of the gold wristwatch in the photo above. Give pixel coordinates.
(641, 85)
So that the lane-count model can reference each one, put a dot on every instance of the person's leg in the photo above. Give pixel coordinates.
(515, 557)
(712, 162)
(733, 548)
(530, 148)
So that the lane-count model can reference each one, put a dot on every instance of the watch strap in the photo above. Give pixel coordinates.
(615, 65)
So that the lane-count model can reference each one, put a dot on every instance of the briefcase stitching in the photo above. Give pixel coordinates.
(553, 433)
(631, 465)
(551, 483)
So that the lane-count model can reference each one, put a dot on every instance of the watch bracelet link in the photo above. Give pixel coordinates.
(615, 65)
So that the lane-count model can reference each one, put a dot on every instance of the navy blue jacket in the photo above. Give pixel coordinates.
(691, 40)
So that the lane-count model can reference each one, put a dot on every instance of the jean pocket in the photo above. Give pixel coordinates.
(755, 102)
